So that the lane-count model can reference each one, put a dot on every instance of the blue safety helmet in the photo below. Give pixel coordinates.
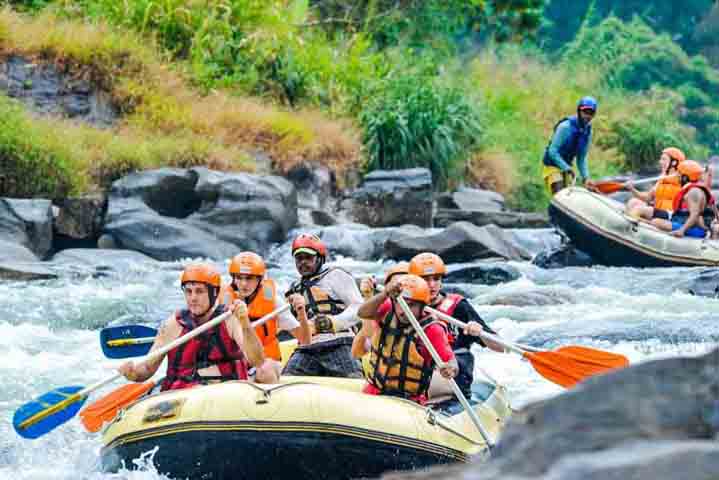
(587, 103)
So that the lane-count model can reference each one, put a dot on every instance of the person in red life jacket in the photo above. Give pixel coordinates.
(249, 284)
(224, 352)
(657, 202)
(694, 207)
(362, 341)
(332, 299)
(400, 364)
(432, 269)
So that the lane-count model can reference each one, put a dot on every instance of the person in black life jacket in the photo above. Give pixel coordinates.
(251, 285)
(332, 299)
(400, 364)
(571, 140)
(694, 208)
(225, 352)
(432, 269)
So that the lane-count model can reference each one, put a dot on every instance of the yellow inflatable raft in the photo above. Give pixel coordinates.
(304, 428)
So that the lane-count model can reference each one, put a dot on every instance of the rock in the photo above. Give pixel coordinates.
(487, 274)
(359, 241)
(315, 185)
(48, 90)
(566, 255)
(704, 284)
(657, 420)
(472, 199)
(445, 217)
(530, 298)
(171, 214)
(106, 241)
(27, 222)
(81, 217)
(14, 252)
(460, 242)
(394, 197)
(322, 218)
(25, 271)
(537, 240)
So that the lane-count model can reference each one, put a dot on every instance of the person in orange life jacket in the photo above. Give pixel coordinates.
(693, 208)
(250, 285)
(361, 343)
(332, 299)
(432, 269)
(657, 202)
(225, 352)
(400, 364)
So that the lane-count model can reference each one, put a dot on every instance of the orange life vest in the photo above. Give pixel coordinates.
(263, 303)
(664, 192)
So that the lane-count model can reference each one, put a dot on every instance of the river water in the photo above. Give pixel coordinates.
(49, 336)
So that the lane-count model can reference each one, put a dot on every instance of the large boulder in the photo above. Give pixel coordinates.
(81, 218)
(27, 222)
(485, 274)
(656, 420)
(704, 283)
(506, 219)
(471, 199)
(19, 263)
(566, 255)
(172, 213)
(359, 241)
(460, 242)
(394, 197)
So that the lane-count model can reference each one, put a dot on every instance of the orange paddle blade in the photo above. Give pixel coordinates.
(609, 187)
(105, 409)
(563, 369)
(593, 356)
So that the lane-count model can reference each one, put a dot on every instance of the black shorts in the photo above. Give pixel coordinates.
(663, 214)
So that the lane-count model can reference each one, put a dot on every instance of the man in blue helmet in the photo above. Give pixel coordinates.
(571, 140)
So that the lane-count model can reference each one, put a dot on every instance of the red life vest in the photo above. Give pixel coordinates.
(213, 347)
(681, 205)
(447, 306)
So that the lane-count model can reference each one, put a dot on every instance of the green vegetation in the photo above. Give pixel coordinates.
(372, 84)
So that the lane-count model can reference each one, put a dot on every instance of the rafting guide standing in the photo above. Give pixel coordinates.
(571, 140)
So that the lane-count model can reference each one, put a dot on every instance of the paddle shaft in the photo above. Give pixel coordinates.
(152, 356)
(455, 388)
(122, 342)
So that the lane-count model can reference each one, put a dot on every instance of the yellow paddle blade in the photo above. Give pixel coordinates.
(106, 408)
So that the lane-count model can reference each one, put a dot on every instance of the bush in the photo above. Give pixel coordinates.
(413, 122)
(33, 162)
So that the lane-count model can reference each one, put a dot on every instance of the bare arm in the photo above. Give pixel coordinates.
(169, 331)
(303, 333)
(359, 344)
(250, 343)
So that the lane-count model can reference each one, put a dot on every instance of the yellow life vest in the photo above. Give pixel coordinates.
(395, 365)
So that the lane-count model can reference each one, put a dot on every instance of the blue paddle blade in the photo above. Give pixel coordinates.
(43, 403)
(127, 332)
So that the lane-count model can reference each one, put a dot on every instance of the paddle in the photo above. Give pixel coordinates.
(438, 361)
(608, 186)
(127, 341)
(106, 408)
(566, 366)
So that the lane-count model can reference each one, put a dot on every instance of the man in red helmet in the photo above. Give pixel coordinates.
(225, 352)
(332, 299)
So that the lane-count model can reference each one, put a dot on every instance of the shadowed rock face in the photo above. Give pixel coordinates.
(47, 90)
(656, 420)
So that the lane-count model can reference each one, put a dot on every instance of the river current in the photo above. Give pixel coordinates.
(49, 335)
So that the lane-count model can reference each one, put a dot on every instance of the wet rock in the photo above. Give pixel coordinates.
(654, 420)
(15, 252)
(566, 255)
(27, 222)
(460, 242)
(507, 219)
(25, 271)
(485, 274)
(530, 298)
(171, 214)
(81, 217)
(322, 218)
(106, 241)
(47, 90)
(471, 199)
(704, 284)
(315, 185)
(394, 197)
(538, 240)
(359, 241)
